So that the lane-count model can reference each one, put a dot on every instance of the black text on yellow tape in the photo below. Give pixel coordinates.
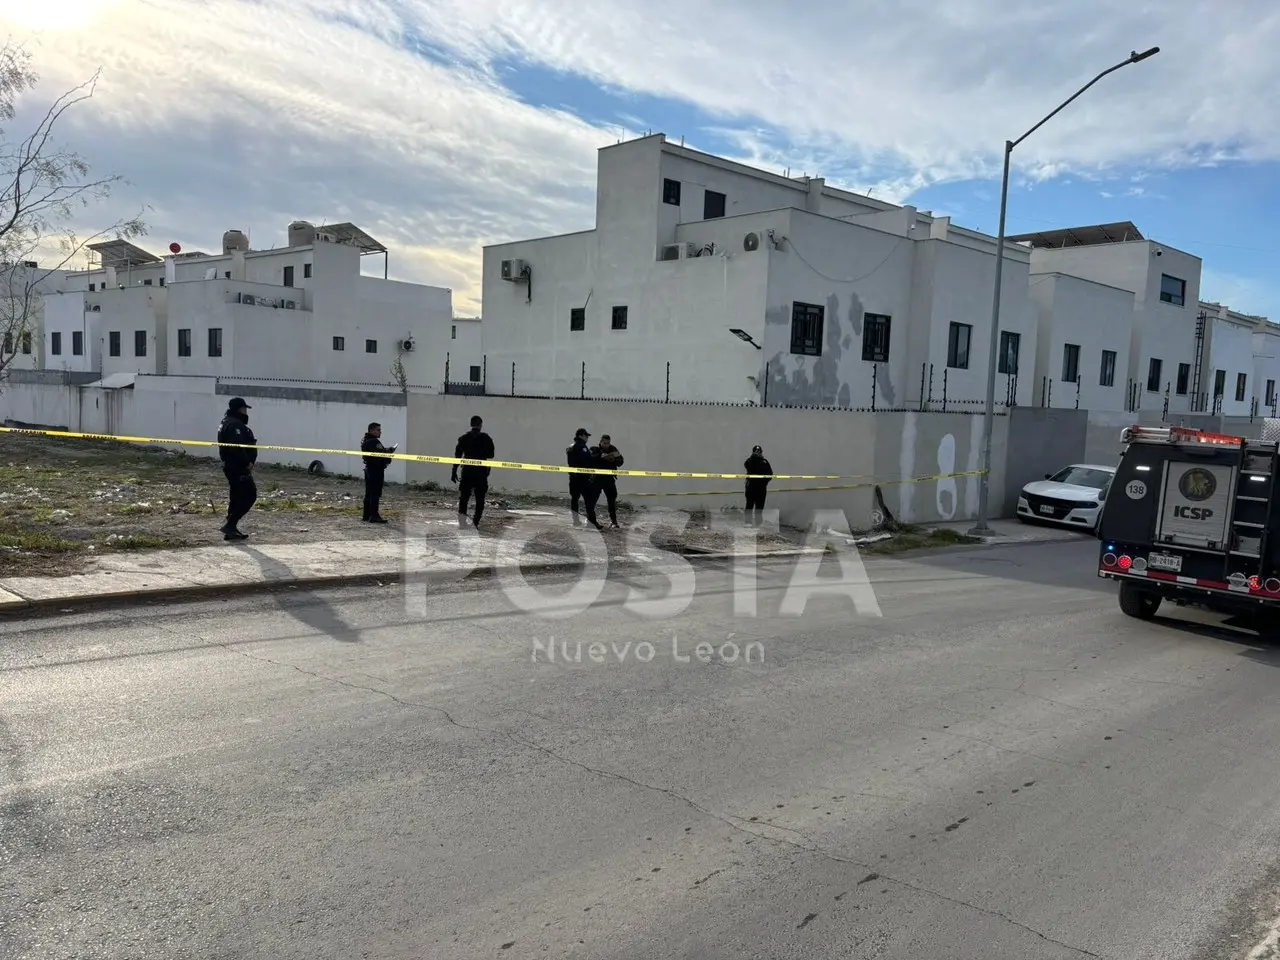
(460, 461)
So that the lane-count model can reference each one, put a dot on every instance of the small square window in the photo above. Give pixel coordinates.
(227, 275)
(619, 318)
(671, 192)
(339, 343)
(712, 205)
(475, 374)
(371, 346)
(306, 271)
(1173, 290)
(93, 287)
(147, 283)
(578, 318)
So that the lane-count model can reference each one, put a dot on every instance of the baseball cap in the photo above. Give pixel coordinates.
(583, 432)
(238, 402)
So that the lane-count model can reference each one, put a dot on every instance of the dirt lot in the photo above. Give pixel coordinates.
(63, 502)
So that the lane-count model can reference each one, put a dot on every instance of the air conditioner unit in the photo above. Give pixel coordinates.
(679, 251)
(291, 304)
(513, 270)
(407, 344)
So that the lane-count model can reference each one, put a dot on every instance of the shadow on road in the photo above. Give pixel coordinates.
(311, 608)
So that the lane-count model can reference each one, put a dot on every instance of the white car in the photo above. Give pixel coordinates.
(1072, 497)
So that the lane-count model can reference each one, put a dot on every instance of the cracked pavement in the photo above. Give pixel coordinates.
(1002, 766)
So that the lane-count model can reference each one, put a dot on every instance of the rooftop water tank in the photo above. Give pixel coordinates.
(301, 233)
(234, 240)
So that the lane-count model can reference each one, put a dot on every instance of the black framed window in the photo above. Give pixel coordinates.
(1107, 376)
(807, 321)
(958, 339)
(671, 192)
(875, 337)
(1070, 362)
(1010, 346)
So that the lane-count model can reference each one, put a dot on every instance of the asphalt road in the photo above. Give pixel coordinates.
(999, 766)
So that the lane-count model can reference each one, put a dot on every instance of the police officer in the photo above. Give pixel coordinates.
(237, 466)
(581, 485)
(473, 445)
(607, 457)
(375, 470)
(756, 489)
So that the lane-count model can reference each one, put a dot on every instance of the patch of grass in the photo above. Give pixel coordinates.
(134, 509)
(41, 540)
(911, 537)
(427, 486)
(138, 541)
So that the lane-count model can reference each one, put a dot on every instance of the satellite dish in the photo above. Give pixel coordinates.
(751, 242)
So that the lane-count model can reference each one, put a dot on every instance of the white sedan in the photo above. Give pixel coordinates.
(1072, 497)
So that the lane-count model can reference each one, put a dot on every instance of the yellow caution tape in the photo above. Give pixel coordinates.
(460, 461)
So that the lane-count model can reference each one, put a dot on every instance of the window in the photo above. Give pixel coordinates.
(1083, 477)
(227, 275)
(113, 343)
(306, 271)
(619, 318)
(453, 332)
(475, 374)
(1172, 290)
(578, 318)
(371, 346)
(55, 344)
(1107, 378)
(1271, 393)
(339, 343)
(712, 205)
(1154, 369)
(1242, 383)
(1184, 378)
(77, 343)
(875, 337)
(8, 344)
(184, 343)
(26, 341)
(1219, 383)
(671, 192)
(1071, 363)
(806, 328)
(1010, 344)
(139, 343)
(162, 281)
(288, 276)
(93, 287)
(958, 345)
(146, 283)
(215, 341)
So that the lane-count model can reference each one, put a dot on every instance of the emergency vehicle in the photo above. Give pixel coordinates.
(1190, 518)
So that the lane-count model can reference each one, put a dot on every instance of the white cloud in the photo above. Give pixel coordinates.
(251, 113)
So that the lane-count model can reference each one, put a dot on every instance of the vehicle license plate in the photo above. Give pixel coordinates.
(1045, 508)
(1164, 561)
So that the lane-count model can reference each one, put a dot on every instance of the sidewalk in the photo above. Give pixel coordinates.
(240, 567)
(1015, 531)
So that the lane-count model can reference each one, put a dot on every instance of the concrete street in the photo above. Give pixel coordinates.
(1001, 767)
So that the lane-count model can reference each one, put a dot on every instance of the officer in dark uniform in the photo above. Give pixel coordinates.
(758, 466)
(237, 466)
(607, 457)
(375, 471)
(473, 445)
(582, 485)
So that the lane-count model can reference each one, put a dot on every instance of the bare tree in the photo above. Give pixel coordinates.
(42, 187)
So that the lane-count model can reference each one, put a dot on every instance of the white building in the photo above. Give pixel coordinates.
(298, 312)
(466, 352)
(1083, 344)
(704, 279)
(1229, 378)
(1266, 367)
(1165, 284)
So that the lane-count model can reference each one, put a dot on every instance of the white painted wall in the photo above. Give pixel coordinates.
(1161, 330)
(65, 314)
(466, 351)
(1093, 317)
(127, 312)
(1229, 345)
(1266, 368)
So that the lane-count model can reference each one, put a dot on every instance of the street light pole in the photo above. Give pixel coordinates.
(988, 416)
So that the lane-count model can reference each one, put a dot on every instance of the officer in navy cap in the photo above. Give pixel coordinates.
(237, 465)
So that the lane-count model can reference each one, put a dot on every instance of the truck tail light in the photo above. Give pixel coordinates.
(1125, 562)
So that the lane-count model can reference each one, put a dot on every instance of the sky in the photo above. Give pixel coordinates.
(440, 126)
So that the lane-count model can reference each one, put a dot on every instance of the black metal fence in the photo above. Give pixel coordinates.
(935, 392)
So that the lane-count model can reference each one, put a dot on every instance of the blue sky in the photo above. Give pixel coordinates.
(443, 125)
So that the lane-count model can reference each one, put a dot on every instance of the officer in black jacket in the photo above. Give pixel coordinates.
(582, 485)
(237, 465)
(607, 457)
(756, 489)
(473, 445)
(375, 471)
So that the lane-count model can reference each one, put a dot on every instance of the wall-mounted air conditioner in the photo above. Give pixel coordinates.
(291, 304)
(513, 270)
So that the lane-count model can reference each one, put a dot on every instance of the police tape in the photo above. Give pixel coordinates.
(462, 461)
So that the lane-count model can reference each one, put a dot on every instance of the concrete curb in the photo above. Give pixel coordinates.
(24, 606)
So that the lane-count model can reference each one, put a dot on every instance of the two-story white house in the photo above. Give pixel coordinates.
(1266, 367)
(1229, 378)
(704, 279)
(302, 311)
(1165, 284)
